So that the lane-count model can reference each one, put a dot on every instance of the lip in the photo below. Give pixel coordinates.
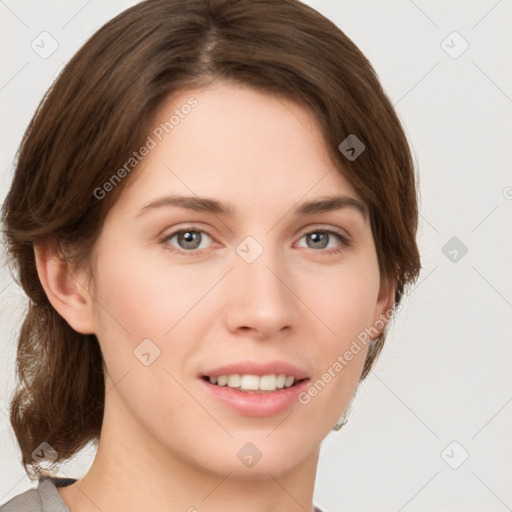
(257, 368)
(249, 403)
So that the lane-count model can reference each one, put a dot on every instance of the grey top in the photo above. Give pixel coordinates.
(44, 498)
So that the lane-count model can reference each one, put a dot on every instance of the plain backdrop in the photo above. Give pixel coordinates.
(430, 428)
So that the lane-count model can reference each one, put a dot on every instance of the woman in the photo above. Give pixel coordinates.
(214, 216)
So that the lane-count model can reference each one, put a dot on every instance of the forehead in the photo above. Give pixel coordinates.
(235, 143)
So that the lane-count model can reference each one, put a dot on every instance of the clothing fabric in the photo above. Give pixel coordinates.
(45, 498)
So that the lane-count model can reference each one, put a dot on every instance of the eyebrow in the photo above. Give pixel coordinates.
(205, 204)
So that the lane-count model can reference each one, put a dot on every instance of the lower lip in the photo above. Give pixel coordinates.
(254, 403)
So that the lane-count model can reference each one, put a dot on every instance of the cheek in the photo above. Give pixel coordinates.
(147, 305)
(138, 304)
(346, 308)
(345, 300)
(143, 294)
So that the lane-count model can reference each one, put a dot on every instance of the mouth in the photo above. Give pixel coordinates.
(248, 383)
(252, 388)
(256, 401)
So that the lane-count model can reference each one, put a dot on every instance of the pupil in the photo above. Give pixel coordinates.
(190, 239)
(317, 238)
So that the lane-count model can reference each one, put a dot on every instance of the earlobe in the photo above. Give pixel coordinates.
(64, 287)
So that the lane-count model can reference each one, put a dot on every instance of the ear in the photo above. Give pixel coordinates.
(64, 287)
(384, 306)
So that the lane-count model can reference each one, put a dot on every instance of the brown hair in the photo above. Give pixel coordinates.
(99, 111)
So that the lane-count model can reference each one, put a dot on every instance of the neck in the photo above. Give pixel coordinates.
(133, 472)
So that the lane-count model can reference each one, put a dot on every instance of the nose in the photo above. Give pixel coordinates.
(261, 299)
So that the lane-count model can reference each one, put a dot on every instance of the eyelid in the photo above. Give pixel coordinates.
(163, 239)
(328, 229)
(342, 234)
(344, 239)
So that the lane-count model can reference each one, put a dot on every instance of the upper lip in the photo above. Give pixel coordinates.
(258, 368)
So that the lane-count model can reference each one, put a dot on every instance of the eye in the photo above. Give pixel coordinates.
(192, 241)
(320, 238)
(189, 241)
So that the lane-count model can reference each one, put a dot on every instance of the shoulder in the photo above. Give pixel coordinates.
(44, 498)
(29, 501)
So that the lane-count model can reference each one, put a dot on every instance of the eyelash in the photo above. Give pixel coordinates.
(194, 252)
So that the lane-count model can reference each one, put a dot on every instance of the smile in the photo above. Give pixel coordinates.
(255, 383)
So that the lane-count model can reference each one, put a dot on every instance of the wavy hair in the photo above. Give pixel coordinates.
(97, 113)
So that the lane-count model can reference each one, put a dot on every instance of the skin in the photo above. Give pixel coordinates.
(166, 445)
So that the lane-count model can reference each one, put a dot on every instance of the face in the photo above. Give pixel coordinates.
(253, 287)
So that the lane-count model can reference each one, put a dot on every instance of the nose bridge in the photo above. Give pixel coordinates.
(262, 298)
(265, 275)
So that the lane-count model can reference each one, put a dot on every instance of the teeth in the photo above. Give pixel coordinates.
(268, 382)
(251, 382)
(234, 381)
(254, 382)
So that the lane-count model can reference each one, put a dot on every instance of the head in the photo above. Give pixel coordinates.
(246, 104)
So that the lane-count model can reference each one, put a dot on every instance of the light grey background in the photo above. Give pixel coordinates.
(442, 388)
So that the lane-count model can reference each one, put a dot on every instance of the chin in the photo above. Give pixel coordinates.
(255, 456)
